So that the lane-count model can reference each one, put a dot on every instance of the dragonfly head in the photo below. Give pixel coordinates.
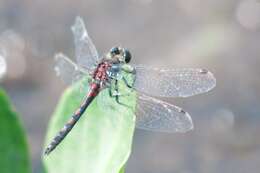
(122, 54)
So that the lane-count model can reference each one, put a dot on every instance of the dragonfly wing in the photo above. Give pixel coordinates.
(67, 70)
(151, 114)
(156, 115)
(86, 52)
(183, 82)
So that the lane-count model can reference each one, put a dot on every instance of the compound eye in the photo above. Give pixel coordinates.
(115, 51)
(127, 56)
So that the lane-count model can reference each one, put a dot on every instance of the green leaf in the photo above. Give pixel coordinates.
(100, 142)
(14, 157)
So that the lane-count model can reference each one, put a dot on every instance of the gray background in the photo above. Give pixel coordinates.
(222, 36)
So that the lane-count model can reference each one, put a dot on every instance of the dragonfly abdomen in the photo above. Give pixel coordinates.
(94, 89)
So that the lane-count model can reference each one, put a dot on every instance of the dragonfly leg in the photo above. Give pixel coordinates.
(113, 93)
(127, 84)
(131, 70)
(116, 94)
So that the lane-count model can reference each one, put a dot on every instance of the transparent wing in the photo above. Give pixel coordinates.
(156, 115)
(86, 52)
(151, 114)
(183, 82)
(67, 70)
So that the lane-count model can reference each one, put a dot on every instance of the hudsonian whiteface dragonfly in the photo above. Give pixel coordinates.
(151, 113)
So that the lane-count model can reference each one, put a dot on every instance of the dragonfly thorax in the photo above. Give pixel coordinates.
(107, 69)
(100, 73)
(114, 71)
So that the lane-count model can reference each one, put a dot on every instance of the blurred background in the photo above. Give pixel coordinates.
(222, 36)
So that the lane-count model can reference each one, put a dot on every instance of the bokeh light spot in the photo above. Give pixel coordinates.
(3, 66)
(14, 45)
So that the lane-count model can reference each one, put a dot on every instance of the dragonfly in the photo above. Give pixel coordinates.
(149, 82)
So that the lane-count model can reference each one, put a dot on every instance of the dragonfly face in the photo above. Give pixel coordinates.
(121, 54)
(117, 57)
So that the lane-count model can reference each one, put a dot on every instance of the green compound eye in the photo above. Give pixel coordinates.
(127, 56)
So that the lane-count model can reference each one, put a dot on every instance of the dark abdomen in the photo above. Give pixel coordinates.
(93, 91)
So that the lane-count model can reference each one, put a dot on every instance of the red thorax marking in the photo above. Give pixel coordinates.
(100, 72)
(100, 76)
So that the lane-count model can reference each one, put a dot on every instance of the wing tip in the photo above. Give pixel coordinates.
(79, 28)
(188, 121)
(211, 78)
(78, 21)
